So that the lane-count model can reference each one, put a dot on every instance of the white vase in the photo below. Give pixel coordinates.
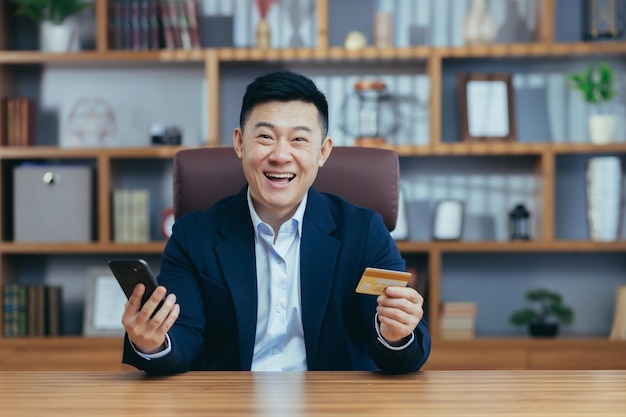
(58, 38)
(479, 26)
(604, 198)
(602, 128)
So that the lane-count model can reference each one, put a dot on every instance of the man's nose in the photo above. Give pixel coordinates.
(281, 151)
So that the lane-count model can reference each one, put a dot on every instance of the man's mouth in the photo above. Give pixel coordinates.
(279, 177)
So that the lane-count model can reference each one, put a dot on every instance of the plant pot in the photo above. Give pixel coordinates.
(602, 128)
(58, 38)
(543, 329)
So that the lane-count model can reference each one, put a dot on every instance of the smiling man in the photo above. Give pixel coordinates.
(264, 280)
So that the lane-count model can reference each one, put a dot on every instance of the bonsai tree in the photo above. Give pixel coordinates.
(550, 310)
(596, 85)
(54, 11)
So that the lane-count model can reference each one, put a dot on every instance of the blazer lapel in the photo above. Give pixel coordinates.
(236, 257)
(318, 251)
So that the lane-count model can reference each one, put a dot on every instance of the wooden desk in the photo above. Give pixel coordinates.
(429, 393)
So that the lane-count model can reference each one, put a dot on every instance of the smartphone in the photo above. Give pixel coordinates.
(130, 272)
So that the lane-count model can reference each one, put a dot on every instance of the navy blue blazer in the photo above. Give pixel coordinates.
(209, 263)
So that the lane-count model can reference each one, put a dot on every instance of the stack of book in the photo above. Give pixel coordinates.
(153, 24)
(20, 117)
(32, 310)
(130, 215)
(457, 320)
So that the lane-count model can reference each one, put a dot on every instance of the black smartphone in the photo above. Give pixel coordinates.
(130, 272)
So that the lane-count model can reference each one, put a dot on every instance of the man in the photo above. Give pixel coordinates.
(265, 279)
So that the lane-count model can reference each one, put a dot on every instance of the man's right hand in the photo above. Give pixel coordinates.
(146, 333)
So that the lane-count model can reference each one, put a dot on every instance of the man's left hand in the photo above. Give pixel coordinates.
(399, 312)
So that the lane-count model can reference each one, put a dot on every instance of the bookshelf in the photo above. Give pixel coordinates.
(493, 272)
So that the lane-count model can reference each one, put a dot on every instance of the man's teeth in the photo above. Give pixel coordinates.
(288, 176)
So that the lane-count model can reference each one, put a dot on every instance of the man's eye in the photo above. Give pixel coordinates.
(300, 139)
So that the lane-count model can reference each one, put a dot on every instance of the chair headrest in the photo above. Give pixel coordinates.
(366, 177)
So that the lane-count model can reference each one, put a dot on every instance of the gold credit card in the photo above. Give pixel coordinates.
(375, 280)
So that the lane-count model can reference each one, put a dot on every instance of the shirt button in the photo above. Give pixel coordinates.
(279, 309)
(279, 261)
(274, 350)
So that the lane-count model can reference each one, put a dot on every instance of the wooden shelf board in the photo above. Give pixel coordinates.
(536, 49)
(420, 52)
(81, 248)
(17, 248)
(46, 152)
(511, 246)
(441, 149)
(91, 57)
(527, 342)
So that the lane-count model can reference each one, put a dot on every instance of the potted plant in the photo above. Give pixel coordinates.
(55, 34)
(544, 320)
(597, 87)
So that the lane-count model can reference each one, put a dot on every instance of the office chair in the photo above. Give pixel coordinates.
(366, 177)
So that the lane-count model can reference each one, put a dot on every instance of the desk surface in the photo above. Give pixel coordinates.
(428, 393)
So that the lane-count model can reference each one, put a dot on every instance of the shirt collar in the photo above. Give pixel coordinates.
(298, 216)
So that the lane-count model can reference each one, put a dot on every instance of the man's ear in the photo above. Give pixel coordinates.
(327, 147)
(238, 141)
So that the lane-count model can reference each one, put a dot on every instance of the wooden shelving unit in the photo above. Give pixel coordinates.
(74, 353)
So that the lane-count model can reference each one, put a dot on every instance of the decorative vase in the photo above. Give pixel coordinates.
(604, 198)
(263, 34)
(602, 128)
(58, 38)
(543, 329)
(479, 26)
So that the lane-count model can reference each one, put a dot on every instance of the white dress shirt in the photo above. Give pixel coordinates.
(279, 341)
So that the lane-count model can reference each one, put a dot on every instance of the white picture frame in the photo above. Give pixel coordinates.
(104, 305)
(448, 220)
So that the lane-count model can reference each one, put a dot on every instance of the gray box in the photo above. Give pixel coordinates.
(52, 203)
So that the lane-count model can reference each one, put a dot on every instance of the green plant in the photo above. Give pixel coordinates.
(596, 84)
(550, 309)
(55, 11)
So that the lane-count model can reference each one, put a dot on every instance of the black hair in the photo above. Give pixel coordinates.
(284, 86)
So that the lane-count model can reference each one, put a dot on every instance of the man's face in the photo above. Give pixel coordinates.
(281, 148)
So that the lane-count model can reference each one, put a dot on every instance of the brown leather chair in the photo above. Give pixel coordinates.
(366, 177)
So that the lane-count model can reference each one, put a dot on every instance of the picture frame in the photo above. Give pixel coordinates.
(486, 107)
(448, 217)
(104, 305)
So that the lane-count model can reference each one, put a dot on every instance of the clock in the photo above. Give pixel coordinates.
(167, 222)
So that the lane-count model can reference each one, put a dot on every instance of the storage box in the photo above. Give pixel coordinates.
(52, 203)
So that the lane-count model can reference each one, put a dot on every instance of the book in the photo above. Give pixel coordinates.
(54, 311)
(9, 311)
(121, 215)
(193, 23)
(183, 25)
(139, 214)
(618, 329)
(167, 20)
(20, 119)
(459, 308)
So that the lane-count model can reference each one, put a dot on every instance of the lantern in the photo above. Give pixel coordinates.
(518, 223)
(370, 113)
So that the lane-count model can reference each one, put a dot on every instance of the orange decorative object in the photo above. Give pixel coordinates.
(264, 7)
